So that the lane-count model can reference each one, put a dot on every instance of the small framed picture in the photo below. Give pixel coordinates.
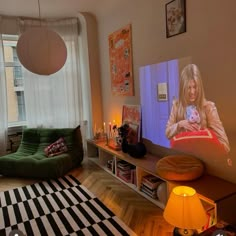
(131, 115)
(175, 17)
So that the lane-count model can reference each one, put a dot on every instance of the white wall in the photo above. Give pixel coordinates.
(210, 40)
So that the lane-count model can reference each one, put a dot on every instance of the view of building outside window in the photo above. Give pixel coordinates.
(14, 81)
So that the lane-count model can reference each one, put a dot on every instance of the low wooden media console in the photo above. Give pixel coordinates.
(218, 196)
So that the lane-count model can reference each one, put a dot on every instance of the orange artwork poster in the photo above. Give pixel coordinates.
(131, 115)
(121, 63)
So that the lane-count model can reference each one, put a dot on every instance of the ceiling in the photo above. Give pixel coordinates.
(56, 8)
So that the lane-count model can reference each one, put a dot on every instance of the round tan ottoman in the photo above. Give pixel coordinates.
(179, 168)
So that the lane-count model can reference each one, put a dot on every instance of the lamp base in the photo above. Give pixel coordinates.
(16, 232)
(185, 232)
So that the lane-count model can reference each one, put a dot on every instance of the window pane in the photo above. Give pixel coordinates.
(21, 105)
(15, 82)
(8, 50)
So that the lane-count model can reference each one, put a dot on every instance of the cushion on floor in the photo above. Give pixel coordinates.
(179, 168)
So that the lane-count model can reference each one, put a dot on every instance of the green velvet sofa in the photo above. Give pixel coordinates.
(31, 161)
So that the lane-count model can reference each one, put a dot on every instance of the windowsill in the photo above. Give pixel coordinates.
(16, 124)
(15, 128)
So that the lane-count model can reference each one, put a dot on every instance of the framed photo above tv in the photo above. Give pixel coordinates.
(175, 17)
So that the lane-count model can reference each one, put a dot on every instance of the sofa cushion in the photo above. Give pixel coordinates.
(29, 142)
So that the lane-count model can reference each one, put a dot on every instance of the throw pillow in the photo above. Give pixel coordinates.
(56, 148)
(201, 143)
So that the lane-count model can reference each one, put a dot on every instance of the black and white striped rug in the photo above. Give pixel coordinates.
(57, 207)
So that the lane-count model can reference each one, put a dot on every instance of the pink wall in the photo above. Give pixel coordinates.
(209, 41)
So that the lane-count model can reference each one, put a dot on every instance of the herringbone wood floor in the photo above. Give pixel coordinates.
(142, 216)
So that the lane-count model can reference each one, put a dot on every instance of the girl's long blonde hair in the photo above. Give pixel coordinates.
(190, 72)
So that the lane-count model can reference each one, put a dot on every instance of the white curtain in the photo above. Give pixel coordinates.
(56, 100)
(3, 101)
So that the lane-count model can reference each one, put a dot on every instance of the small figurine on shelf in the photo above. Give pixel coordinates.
(114, 131)
(114, 141)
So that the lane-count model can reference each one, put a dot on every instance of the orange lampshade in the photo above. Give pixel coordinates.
(41, 51)
(184, 209)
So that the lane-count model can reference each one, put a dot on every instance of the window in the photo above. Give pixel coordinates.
(14, 82)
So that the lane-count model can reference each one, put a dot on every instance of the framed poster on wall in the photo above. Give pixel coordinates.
(121, 62)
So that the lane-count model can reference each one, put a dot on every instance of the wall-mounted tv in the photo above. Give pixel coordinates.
(177, 113)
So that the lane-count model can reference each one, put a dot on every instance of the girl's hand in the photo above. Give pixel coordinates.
(185, 124)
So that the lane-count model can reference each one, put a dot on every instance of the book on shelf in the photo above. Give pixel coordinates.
(124, 176)
(149, 192)
(126, 171)
(148, 189)
(133, 178)
(123, 172)
(151, 181)
(212, 217)
(124, 165)
(152, 187)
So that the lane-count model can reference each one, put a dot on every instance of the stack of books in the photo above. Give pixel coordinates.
(149, 185)
(126, 171)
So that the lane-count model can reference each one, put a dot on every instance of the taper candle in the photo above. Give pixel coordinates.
(109, 129)
(95, 129)
(104, 127)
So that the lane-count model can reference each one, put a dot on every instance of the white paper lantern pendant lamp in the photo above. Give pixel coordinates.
(41, 50)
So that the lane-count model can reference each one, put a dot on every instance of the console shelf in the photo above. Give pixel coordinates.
(100, 153)
(215, 193)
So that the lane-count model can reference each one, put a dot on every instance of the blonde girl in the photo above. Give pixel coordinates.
(191, 92)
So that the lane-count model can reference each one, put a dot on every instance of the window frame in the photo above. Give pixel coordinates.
(13, 38)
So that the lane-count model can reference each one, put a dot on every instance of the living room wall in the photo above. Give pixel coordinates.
(210, 42)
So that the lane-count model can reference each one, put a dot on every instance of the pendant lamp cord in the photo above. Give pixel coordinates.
(39, 12)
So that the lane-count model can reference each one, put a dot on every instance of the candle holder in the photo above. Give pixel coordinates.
(100, 136)
(115, 143)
